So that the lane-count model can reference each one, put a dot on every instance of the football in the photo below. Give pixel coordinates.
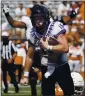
(51, 40)
(58, 91)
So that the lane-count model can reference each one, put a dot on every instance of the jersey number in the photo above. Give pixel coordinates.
(61, 25)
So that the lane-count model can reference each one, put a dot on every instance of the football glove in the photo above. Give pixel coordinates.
(5, 8)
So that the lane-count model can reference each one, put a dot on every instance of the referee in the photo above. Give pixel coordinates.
(7, 52)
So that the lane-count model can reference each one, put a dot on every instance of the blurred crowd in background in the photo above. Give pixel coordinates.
(74, 31)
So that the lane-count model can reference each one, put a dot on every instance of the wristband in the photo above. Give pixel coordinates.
(26, 74)
(49, 47)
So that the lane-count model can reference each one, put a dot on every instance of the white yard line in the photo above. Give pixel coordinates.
(20, 92)
(21, 86)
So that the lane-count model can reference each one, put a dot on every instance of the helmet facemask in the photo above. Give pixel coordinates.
(39, 21)
(40, 18)
(78, 90)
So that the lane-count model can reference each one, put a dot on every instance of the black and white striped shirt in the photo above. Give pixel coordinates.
(7, 50)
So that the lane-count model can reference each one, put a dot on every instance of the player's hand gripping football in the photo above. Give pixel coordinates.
(44, 43)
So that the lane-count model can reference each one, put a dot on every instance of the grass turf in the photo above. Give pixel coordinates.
(24, 91)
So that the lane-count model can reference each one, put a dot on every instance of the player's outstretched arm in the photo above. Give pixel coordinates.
(28, 65)
(29, 57)
(12, 22)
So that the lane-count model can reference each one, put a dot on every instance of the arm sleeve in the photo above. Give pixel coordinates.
(58, 29)
(31, 39)
(27, 21)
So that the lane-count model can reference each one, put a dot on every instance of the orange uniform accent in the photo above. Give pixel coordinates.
(58, 91)
(82, 11)
(18, 60)
(28, 12)
(83, 74)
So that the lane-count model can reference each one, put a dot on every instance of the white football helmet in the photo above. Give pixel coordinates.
(78, 83)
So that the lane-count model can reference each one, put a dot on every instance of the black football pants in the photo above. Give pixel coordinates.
(62, 76)
(10, 69)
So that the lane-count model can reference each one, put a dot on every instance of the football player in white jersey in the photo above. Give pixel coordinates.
(50, 40)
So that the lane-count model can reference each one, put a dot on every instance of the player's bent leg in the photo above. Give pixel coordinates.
(13, 78)
(65, 81)
(48, 85)
(69, 88)
(33, 83)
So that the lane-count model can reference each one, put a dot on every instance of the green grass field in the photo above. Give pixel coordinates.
(24, 91)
